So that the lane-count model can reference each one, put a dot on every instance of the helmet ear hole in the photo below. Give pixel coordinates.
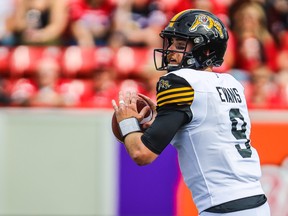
(188, 24)
(207, 52)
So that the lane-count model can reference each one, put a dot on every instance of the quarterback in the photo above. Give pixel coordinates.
(204, 115)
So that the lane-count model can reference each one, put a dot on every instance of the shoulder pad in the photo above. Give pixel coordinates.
(174, 90)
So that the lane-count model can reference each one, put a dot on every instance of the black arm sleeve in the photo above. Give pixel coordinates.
(174, 98)
(163, 129)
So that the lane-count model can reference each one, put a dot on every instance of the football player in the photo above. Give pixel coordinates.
(203, 115)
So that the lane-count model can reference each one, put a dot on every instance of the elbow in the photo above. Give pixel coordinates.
(139, 153)
(142, 158)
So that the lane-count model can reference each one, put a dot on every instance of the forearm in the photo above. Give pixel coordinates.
(137, 150)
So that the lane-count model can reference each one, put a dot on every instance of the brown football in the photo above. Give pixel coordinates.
(141, 103)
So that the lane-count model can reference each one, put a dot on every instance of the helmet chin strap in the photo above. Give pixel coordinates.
(171, 68)
(189, 61)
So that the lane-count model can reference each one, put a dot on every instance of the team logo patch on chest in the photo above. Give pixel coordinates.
(163, 84)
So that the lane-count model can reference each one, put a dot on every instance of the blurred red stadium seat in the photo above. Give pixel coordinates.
(24, 59)
(4, 61)
(21, 89)
(75, 61)
(78, 61)
(128, 60)
(73, 91)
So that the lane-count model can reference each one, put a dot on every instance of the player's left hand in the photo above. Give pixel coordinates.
(153, 107)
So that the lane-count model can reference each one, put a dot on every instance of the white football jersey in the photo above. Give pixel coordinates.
(215, 155)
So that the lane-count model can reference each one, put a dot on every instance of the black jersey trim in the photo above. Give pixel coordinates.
(239, 204)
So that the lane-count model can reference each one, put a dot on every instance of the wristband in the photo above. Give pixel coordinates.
(129, 125)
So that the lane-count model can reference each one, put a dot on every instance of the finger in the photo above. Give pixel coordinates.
(114, 104)
(121, 99)
(127, 97)
(121, 96)
(144, 111)
(148, 100)
(146, 125)
(122, 103)
(134, 96)
(143, 96)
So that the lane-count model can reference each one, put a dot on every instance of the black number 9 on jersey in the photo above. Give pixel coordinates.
(237, 119)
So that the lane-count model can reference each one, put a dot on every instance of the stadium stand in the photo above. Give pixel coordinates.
(257, 51)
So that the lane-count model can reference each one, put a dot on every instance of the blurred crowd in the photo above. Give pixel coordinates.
(80, 53)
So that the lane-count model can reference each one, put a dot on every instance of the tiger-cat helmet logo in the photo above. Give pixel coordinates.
(208, 23)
